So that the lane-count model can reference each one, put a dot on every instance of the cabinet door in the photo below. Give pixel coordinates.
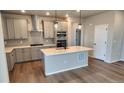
(8, 61)
(24, 28)
(10, 28)
(11, 60)
(34, 54)
(62, 26)
(40, 54)
(20, 26)
(26, 54)
(48, 30)
(19, 55)
(4, 25)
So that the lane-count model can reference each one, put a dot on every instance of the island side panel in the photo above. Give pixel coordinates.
(63, 62)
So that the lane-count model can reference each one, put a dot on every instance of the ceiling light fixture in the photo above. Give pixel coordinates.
(67, 15)
(78, 10)
(47, 13)
(23, 11)
(80, 25)
(56, 22)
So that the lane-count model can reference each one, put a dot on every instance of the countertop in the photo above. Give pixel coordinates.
(9, 49)
(71, 49)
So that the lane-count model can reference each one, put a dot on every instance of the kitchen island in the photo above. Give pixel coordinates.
(59, 60)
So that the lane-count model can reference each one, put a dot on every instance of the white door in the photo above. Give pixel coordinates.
(100, 41)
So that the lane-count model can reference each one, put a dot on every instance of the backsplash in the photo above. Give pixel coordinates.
(33, 38)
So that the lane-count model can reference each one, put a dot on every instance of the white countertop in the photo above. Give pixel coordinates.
(71, 49)
(9, 49)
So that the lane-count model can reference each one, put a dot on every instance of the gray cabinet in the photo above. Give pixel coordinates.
(4, 25)
(36, 53)
(23, 54)
(19, 55)
(26, 54)
(17, 28)
(10, 29)
(20, 27)
(11, 59)
(48, 29)
(62, 26)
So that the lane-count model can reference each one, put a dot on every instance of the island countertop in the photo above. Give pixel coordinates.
(71, 49)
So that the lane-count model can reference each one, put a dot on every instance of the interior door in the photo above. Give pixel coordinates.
(100, 41)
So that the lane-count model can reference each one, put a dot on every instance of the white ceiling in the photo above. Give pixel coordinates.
(60, 13)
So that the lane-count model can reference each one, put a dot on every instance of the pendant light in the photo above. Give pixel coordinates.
(56, 22)
(80, 25)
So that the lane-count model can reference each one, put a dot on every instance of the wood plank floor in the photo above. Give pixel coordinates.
(96, 72)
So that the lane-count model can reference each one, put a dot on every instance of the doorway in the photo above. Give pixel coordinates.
(78, 37)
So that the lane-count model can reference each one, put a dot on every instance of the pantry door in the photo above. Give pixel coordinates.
(100, 41)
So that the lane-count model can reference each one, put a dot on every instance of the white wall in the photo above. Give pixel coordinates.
(115, 46)
(3, 63)
(117, 36)
(103, 18)
(72, 31)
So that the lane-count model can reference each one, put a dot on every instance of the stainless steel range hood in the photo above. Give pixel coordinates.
(35, 23)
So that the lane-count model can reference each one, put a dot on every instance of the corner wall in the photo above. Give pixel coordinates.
(102, 18)
(117, 40)
(4, 78)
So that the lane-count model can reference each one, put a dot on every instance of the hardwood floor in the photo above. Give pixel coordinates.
(97, 72)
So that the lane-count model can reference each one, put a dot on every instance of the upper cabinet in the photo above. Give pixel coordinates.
(4, 23)
(20, 27)
(10, 29)
(48, 29)
(62, 26)
(15, 28)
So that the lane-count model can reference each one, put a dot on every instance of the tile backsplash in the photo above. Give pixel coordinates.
(33, 38)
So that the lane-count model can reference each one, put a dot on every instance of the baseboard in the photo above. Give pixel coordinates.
(121, 59)
(107, 61)
(47, 74)
(113, 61)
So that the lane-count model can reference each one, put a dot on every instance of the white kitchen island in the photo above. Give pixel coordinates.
(59, 60)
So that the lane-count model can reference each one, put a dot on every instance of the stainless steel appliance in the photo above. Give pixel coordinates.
(61, 43)
(61, 39)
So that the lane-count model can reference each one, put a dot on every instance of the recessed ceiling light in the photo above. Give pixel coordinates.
(78, 10)
(23, 11)
(47, 13)
(67, 15)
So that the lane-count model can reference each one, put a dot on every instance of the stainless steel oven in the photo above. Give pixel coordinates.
(61, 44)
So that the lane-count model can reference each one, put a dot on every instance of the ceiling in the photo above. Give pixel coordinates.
(60, 13)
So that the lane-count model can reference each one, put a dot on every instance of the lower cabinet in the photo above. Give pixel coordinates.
(28, 54)
(19, 55)
(11, 60)
(36, 53)
(23, 54)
